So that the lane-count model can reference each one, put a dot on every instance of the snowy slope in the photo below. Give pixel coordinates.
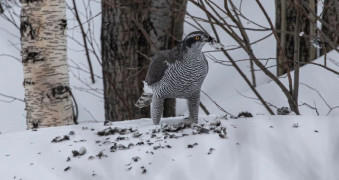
(263, 147)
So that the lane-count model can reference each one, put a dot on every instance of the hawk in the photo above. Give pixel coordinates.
(176, 73)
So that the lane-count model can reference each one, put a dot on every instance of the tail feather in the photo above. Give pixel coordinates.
(144, 100)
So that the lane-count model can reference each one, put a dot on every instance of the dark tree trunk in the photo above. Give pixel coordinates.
(331, 16)
(285, 25)
(123, 67)
(131, 32)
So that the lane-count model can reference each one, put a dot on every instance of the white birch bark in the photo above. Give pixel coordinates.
(44, 58)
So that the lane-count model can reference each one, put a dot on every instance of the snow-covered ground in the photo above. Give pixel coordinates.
(263, 147)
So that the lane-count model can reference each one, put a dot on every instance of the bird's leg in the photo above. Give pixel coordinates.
(193, 107)
(157, 109)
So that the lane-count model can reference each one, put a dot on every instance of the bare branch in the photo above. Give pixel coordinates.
(323, 66)
(203, 107)
(281, 51)
(240, 42)
(95, 120)
(87, 21)
(311, 107)
(11, 97)
(8, 55)
(296, 56)
(244, 44)
(271, 105)
(218, 106)
(85, 40)
(327, 104)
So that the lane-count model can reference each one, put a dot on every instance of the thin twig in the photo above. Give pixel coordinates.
(288, 93)
(296, 56)
(311, 107)
(241, 42)
(203, 107)
(8, 55)
(271, 105)
(12, 97)
(328, 105)
(91, 115)
(85, 41)
(218, 106)
(87, 21)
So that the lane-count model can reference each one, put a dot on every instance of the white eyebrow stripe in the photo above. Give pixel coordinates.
(192, 35)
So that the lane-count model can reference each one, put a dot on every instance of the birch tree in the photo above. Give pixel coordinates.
(46, 80)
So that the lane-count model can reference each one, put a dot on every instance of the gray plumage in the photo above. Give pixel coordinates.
(177, 73)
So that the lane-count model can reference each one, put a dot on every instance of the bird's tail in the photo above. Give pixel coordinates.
(146, 97)
(144, 100)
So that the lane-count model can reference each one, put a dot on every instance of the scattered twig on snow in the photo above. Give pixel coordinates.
(67, 168)
(210, 151)
(59, 139)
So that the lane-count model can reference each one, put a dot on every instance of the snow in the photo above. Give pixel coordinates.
(263, 147)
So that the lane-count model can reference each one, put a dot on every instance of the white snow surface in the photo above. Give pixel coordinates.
(263, 147)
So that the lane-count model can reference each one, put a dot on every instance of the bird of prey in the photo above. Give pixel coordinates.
(176, 73)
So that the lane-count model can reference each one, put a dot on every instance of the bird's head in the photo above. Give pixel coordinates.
(197, 40)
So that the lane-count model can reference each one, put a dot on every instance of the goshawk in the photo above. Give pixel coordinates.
(176, 73)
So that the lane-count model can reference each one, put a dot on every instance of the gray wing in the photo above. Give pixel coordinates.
(157, 67)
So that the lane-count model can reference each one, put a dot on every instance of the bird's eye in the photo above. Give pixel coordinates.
(197, 38)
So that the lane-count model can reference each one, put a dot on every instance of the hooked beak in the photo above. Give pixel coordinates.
(209, 39)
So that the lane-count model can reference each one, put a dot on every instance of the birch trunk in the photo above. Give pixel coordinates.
(46, 80)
